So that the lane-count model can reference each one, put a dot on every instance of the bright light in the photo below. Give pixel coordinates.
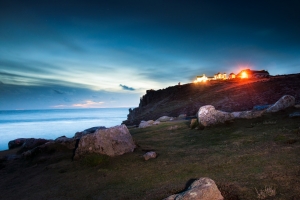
(244, 75)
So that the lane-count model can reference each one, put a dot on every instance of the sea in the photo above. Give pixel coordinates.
(50, 124)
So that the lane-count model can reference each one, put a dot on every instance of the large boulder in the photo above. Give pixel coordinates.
(248, 114)
(208, 116)
(284, 102)
(113, 141)
(201, 189)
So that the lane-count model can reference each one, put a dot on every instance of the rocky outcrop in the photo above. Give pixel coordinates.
(208, 116)
(284, 102)
(229, 96)
(16, 143)
(201, 189)
(112, 142)
(26, 143)
(149, 155)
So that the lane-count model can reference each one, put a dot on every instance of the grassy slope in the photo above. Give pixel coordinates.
(240, 156)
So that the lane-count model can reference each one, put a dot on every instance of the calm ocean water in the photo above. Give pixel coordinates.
(50, 124)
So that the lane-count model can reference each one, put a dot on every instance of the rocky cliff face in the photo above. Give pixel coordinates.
(228, 95)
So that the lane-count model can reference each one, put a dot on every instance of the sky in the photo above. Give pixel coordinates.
(94, 54)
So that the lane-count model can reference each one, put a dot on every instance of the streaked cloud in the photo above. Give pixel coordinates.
(89, 104)
(125, 87)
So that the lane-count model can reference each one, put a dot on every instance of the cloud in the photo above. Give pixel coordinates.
(88, 104)
(58, 92)
(124, 87)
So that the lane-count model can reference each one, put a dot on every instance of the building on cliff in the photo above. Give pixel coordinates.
(220, 76)
(248, 73)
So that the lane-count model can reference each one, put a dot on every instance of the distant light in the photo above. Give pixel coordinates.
(244, 75)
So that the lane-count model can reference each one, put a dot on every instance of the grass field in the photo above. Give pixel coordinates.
(248, 159)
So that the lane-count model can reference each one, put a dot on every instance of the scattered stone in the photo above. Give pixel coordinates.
(248, 114)
(112, 142)
(156, 123)
(164, 119)
(208, 116)
(294, 115)
(203, 188)
(145, 124)
(182, 116)
(68, 142)
(149, 155)
(284, 102)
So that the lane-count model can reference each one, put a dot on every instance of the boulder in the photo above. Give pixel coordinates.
(182, 116)
(156, 123)
(248, 114)
(201, 189)
(113, 141)
(284, 102)
(208, 116)
(16, 143)
(31, 143)
(68, 142)
(164, 119)
(149, 155)
(145, 124)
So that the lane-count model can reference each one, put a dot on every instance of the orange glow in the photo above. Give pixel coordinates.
(244, 75)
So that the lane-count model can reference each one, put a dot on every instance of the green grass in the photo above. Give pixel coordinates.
(243, 157)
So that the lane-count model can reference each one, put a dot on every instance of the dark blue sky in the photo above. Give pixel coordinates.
(72, 54)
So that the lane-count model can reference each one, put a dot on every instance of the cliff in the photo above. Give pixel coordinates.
(226, 95)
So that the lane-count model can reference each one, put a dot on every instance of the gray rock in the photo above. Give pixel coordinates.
(182, 116)
(208, 116)
(156, 123)
(201, 189)
(113, 141)
(284, 102)
(164, 119)
(145, 124)
(149, 155)
(248, 114)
